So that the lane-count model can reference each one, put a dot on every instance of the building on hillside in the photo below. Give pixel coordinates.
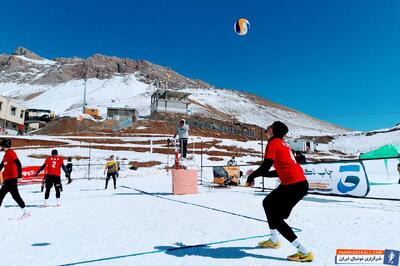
(12, 116)
(122, 117)
(303, 144)
(37, 118)
(169, 101)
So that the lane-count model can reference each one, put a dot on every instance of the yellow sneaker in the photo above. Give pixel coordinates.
(301, 257)
(269, 244)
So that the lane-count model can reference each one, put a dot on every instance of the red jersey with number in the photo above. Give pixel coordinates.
(289, 171)
(54, 164)
(10, 168)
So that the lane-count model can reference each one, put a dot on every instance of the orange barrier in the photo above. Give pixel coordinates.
(184, 182)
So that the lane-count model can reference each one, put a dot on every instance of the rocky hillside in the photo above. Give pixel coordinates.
(24, 66)
(58, 84)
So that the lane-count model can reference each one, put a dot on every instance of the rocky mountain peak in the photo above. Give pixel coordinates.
(27, 53)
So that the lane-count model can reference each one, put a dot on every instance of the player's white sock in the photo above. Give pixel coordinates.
(300, 247)
(274, 235)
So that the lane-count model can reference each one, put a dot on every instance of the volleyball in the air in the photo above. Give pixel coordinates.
(242, 26)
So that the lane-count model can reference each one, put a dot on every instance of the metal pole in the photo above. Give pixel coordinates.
(90, 155)
(84, 95)
(262, 156)
(193, 148)
(262, 144)
(168, 149)
(201, 162)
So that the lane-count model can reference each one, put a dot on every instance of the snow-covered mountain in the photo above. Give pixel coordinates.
(361, 142)
(111, 81)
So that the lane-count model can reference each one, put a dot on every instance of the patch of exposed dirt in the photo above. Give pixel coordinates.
(33, 95)
(165, 125)
(100, 140)
(63, 126)
(235, 149)
(216, 159)
(18, 143)
(323, 139)
(144, 164)
(45, 156)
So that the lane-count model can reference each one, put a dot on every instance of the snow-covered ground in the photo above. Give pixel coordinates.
(142, 223)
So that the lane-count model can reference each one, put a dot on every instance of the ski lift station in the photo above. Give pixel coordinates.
(169, 101)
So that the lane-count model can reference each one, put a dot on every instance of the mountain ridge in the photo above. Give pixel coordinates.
(31, 79)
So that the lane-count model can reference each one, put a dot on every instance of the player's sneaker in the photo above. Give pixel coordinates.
(269, 244)
(301, 257)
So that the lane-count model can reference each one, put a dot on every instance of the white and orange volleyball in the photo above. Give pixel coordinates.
(242, 26)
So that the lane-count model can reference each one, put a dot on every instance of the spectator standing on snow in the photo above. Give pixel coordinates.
(182, 131)
(69, 170)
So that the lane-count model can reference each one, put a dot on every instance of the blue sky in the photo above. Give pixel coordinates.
(336, 60)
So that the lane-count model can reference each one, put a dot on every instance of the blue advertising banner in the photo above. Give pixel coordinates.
(341, 178)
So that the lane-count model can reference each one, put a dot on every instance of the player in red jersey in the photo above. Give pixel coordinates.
(12, 171)
(293, 187)
(54, 164)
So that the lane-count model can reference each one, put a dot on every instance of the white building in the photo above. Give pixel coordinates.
(308, 145)
(12, 116)
(170, 101)
(303, 145)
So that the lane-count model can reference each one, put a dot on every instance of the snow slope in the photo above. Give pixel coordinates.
(237, 105)
(66, 99)
(361, 142)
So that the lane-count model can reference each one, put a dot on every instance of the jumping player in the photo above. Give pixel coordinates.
(54, 164)
(12, 171)
(280, 202)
